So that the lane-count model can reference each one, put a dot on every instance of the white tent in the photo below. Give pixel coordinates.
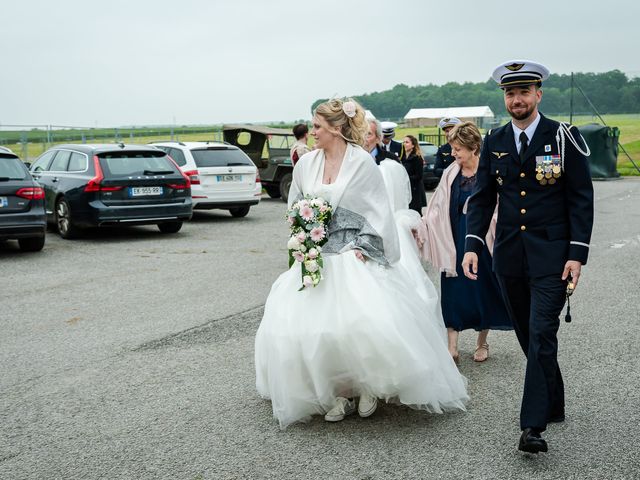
(429, 117)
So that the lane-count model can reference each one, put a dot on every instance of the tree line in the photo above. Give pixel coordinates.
(610, 92)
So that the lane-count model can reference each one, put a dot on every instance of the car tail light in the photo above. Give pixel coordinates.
(178, 186)
(193, 177)
(31, 193)
(258, 178)
(94, 184)
(187, 180)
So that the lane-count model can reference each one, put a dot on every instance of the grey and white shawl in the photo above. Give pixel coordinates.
(362, 217)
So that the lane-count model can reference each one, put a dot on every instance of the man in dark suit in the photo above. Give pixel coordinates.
(444, 157)
(537, 169)
(373, 143)
(388, 143)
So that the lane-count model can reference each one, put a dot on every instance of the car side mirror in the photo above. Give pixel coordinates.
(28, 165)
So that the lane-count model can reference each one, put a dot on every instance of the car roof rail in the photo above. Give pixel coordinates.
(167, 141)
(215, 141)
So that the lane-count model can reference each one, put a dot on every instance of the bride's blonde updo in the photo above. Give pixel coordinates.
(347, 116)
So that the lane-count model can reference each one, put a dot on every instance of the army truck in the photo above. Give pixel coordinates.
(269, 148)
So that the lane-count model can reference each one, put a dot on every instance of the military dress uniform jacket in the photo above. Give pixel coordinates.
(542, 222)
(396, 148)
(382, 154)
(444, 158)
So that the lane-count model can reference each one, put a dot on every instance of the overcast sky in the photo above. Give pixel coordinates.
(115, 63)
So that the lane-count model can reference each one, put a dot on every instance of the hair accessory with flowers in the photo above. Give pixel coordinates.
(308, 219)
(349, 108)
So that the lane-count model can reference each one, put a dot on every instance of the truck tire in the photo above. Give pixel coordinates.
(273, 192)
(285, 185)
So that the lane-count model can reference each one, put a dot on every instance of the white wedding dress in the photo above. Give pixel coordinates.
(365, 329)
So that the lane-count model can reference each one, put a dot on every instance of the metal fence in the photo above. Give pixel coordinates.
(30, 141)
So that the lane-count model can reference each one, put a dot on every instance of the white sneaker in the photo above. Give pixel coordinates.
(342, 408)
(367, 405)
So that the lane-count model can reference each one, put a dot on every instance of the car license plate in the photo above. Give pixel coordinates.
(4, 202)
(229, 178)
(144, 191)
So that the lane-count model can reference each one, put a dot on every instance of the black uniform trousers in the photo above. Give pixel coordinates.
(534, 305)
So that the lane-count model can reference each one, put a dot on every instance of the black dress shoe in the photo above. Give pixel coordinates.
(532, 442)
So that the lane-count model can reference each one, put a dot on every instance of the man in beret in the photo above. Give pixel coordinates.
(537, 170)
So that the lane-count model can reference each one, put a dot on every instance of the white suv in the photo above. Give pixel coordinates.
(222, 176)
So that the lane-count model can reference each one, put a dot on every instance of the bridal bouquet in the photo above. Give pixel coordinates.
(308, 219)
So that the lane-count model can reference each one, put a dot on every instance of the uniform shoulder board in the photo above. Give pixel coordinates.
(489, 132)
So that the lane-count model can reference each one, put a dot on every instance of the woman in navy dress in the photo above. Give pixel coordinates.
(466, 303)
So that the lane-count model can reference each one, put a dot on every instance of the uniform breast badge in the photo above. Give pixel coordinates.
(500, 154)
(548, 169)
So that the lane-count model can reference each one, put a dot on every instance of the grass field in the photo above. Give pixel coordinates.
(629, 125)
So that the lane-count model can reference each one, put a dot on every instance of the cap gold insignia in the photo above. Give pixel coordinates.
(514, 67)
(500, 154)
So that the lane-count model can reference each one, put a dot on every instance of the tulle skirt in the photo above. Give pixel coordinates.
(364, 329)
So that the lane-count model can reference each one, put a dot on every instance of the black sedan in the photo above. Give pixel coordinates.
(100, 185)
(22, 214)
(429, 178)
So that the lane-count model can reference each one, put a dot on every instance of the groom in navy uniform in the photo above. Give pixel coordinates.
(537, 169)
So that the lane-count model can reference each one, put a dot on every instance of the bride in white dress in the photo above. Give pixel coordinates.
(363, 331)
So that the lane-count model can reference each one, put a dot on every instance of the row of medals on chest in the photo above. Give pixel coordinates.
(548, 169)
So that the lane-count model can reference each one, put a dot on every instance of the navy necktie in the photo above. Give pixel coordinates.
(524, 143)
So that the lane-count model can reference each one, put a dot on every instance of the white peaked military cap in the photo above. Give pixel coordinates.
(449, 122)
(519, 73)
(388, 128)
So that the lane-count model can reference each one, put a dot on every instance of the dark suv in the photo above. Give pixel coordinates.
(22, 214)
(429, 178)
(99, 185)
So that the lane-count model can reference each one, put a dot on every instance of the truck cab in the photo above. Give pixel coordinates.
(269, 149)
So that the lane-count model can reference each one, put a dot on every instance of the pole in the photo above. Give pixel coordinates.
(571, 101)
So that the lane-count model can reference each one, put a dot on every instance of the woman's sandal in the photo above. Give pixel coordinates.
(484, 346)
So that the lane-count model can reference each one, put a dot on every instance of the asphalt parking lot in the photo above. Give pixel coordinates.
(129, 354)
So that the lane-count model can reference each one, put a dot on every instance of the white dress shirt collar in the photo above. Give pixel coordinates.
(529, 131)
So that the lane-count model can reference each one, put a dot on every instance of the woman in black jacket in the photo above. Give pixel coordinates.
(413, 162)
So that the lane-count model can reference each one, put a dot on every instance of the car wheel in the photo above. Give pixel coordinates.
(170, 227)
(273, 192)
(285, 185)
(64, 224)
(31, 244)
(239, 212)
